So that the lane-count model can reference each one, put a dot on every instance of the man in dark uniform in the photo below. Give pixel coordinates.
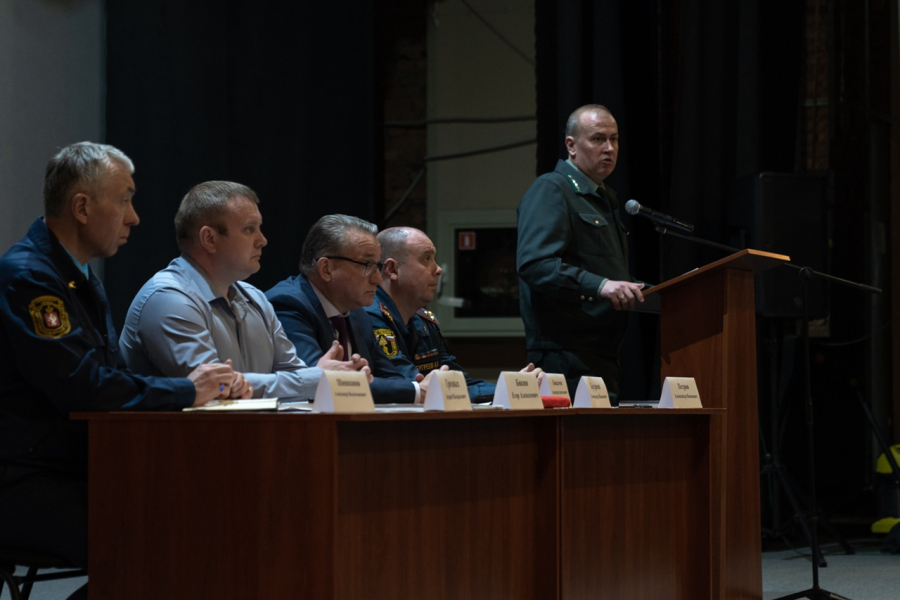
(407, 333)
(339, 272)
(572, 258)
(59, 352)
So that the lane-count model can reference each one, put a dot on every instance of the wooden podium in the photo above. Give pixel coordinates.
(708, 332)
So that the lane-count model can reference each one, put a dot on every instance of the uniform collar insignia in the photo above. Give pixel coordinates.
(427, 314)
(573, 182)
(385, 311)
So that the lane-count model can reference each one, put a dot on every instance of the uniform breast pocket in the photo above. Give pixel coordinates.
(594, 235)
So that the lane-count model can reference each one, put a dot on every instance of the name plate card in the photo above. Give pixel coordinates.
(680, 392)
(343, 392)
(518, 391)
(447, 391)
(554, 384)
(592, 393)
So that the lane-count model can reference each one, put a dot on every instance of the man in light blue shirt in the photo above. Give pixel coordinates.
(198, 309)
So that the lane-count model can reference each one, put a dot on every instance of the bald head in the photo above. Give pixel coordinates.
(394, 241)
(574, 122)
(411, 271)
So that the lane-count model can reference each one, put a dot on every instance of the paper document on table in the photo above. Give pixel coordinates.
(249, 404)
(399, 408)
(295, 405)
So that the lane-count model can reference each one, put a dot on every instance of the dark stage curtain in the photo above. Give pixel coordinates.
(279, 96)
(704, 92)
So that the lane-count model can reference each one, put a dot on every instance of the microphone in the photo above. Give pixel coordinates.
(633, 207)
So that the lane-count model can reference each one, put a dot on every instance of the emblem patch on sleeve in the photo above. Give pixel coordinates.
(387, 342)
(48, 313)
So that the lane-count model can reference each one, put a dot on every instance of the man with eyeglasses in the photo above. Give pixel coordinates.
(198, 309)
(340, 270)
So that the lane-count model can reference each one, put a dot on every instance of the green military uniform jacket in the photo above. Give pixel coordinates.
(570, 239)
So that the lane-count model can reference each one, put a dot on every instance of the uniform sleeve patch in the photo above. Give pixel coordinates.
(48, 314)
(387, 341)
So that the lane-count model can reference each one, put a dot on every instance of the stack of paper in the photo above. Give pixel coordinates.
(251, 404)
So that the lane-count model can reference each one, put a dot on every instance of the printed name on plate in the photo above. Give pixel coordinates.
(343, 392)
(448, 391)
(592, 393)
(680, 392)
(518, 391)
(554, 384)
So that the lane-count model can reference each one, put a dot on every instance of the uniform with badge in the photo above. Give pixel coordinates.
(416, 347)
(58, 354)
(570, 241)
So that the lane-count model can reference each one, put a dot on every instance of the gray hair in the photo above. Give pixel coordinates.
(394, 243)
(573, 124)
(206, 204)
(329, 237)
(81, 165)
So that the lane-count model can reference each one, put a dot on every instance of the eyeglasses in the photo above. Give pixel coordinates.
(368, 267)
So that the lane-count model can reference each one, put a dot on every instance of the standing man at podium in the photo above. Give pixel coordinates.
(572, 258)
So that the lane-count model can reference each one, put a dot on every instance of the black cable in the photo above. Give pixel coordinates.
(850, 342)
(452, 120)
(403, 198)
(428, 159)
(503, 39)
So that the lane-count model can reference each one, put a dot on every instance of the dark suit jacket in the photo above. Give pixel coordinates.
(306, 325)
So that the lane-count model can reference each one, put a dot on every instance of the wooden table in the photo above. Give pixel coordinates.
(614, 503)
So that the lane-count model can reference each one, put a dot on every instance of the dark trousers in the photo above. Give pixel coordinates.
(575, 365)
(44, 511)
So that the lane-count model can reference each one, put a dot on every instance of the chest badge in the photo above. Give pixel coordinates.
(387, 341)
(49, 316)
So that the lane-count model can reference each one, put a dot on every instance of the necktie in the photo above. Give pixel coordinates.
(340, 326)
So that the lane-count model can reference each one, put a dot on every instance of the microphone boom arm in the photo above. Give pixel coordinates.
(806, 271)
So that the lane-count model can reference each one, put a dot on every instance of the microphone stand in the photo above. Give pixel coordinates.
(805, 275)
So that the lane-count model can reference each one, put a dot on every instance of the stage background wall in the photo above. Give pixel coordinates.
(51, 95)
(280, 97)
